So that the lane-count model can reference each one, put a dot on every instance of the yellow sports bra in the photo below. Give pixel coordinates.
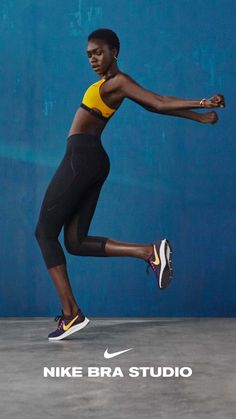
(92, 99)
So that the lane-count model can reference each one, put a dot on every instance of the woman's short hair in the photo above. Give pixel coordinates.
(108, 36)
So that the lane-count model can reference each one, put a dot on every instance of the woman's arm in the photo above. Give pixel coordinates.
(130, 89)
(204, 118)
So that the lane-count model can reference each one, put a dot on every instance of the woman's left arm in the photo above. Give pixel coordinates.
(205, 118)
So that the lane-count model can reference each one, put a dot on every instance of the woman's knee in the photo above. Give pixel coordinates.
(42, 232)
(73, 245)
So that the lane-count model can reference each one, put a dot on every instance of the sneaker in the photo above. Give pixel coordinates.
(161, 263)
(68, 326)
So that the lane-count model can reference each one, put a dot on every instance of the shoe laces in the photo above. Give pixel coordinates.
(60, 318)
(150, 265)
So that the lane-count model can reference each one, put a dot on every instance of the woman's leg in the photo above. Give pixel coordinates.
(62, 284)
(59, 202)
(55, 260)
(136, 250)
(77, 242)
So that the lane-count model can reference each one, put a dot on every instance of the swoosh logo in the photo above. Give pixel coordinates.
(67, 326)
(157, 260)
(54, 206)
(107, 355)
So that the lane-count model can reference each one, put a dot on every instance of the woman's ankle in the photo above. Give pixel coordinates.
(71, 311)
(148, 252)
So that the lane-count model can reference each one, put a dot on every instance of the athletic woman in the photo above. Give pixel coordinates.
(73, 192)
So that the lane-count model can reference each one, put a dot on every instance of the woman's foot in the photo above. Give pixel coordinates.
(67, 326)
(161, 262)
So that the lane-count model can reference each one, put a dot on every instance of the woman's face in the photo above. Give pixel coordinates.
(100, 55)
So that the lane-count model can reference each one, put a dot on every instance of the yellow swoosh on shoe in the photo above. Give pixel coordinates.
(157, 260)
(67, 326)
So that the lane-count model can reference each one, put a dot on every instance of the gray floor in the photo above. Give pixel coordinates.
(205, 345)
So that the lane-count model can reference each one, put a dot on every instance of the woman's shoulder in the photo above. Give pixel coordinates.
(122, 76)
(121, 79)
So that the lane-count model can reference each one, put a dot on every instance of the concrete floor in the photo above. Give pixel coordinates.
(206, 345)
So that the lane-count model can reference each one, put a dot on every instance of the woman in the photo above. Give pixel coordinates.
(73, 192)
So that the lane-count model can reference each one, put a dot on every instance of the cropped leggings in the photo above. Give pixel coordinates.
(70, 201)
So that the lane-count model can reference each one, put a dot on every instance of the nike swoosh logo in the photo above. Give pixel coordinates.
(108, 356)
(67, 326)
(51, 208)
(157, 260)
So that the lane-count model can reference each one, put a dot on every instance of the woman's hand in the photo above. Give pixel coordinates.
(216, 101)
(209, 118)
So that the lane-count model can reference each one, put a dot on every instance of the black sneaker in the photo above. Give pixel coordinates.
(68, 326)
(161, 262)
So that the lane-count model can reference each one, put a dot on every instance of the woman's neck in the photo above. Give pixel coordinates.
(112, 71)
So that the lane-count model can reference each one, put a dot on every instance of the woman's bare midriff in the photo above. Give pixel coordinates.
(84, 123)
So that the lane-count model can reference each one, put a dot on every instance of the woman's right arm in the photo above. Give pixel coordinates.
(130, 89)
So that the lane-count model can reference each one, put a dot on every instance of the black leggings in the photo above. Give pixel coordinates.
(70, 201)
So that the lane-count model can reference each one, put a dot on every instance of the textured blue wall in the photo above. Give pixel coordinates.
(169, 177)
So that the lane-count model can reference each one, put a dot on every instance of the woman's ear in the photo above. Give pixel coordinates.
(114, 52)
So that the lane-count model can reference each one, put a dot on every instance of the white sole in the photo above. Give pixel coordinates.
(164, 258)
(73, 329)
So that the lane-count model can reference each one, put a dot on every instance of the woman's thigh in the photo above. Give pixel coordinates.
(77, 225)
(75, 186)
(62, 197)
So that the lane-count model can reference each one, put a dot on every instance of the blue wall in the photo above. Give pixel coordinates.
(169, 177)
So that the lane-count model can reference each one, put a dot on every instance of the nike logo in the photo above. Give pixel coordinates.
(67, 326)
(108, 356)
(157, 260)
(51, 208)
